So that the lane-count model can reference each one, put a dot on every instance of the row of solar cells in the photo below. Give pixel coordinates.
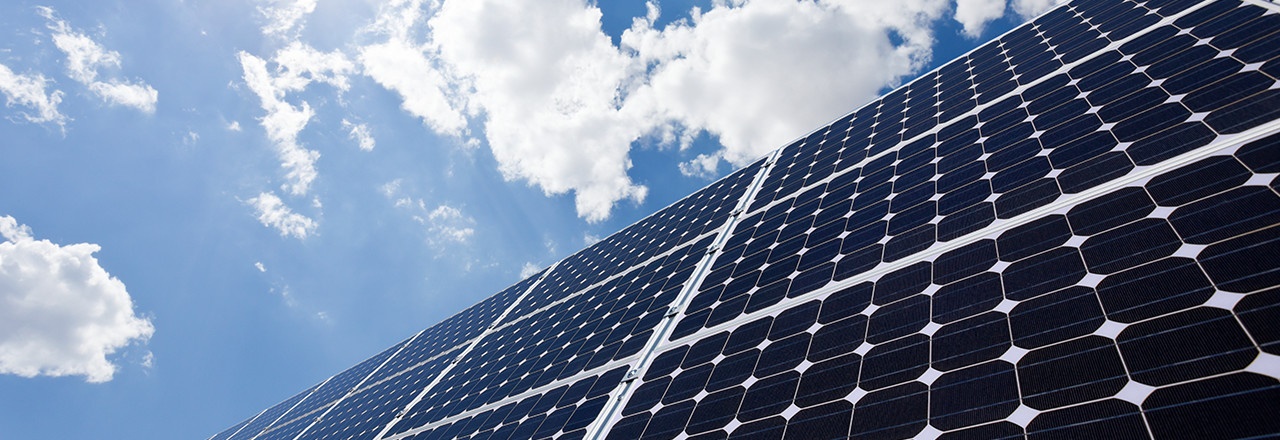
(1178, 65)
(1029, 53)
(695, 216)
(563, 412)
(1142, 308)
(587, 333)
(1025, 151)
(448, 335)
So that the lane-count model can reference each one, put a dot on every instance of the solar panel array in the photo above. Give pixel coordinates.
(1072, 231)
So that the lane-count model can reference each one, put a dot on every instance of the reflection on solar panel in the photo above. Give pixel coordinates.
(1072, 231)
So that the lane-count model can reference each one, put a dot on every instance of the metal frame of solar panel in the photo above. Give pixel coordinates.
(1070, 231)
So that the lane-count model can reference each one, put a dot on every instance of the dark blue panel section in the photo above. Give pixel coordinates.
(582, 333)
(830, 322)
(269, 416)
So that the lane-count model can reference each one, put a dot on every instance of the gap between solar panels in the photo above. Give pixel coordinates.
(646, 354)
(624, 389)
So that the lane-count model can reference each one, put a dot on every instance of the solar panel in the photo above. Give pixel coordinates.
(1071, 231)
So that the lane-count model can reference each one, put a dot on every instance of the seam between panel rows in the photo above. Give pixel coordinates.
(619, 396)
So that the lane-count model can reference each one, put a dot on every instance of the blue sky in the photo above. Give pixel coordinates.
(207, 206)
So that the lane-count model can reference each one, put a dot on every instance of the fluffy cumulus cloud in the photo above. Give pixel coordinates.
(28, 92)
(403, 64)
(758, 74)
(975, 14)
(548, 81)
(61, 313)
(561, 106)
(84, 59)
(273, 213)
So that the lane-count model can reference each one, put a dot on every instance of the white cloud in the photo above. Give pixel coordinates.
(589, 239)
(29, 91)
(260, 267)
(390, 189)
(975, 14)
(542, 78)
(410, 69)
(233, 126)
(85, 57)
(529, 269)
(148, 360)
(448, 224)
(1028, 9)
(360, 134)
(703, 166)
(190, 138)
(286, 294)
(61, 313)
(761, 73)
(561, 105)
(273, 213)
(445, 225)
(139, 96)
(285, 16)
(296, 67)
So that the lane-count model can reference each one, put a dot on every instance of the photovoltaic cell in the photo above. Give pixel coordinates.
(1072, 231)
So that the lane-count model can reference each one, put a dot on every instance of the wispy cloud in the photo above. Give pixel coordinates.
(273, 213)
(529, 269)
(84, 59)
(285, 16)
(63, 314)
(148, 360)
(360, 134)
(296, 66)
(561, 106)
(446, 225)
(28, 91)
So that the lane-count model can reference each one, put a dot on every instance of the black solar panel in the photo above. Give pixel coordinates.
(1072, 231)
